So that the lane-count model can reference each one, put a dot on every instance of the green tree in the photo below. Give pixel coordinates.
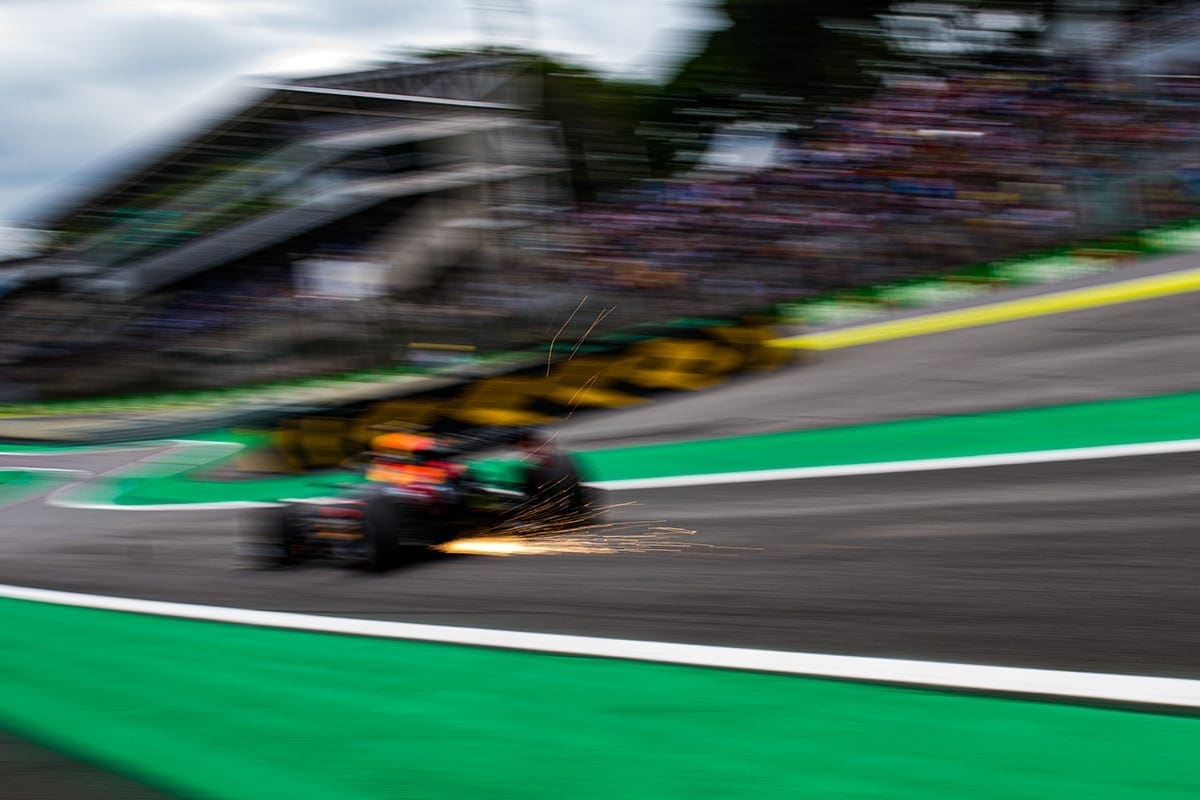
(776, 58)
(785, 47)
(600, 119)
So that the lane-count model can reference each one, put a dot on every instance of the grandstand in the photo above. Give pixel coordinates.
(415, 168)
(306, 153)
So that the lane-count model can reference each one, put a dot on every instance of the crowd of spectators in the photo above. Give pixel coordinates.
(926, 176)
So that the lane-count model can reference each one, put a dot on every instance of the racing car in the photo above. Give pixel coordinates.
(422, 490)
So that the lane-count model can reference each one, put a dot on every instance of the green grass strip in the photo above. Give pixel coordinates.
(224, 711)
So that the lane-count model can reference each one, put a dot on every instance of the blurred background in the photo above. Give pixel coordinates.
(505, 172)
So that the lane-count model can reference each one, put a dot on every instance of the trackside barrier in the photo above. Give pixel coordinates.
(624, 369)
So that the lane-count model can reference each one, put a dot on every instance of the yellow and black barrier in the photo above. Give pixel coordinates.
(620, 370)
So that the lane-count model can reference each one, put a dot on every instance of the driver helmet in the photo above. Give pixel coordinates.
(408, 447)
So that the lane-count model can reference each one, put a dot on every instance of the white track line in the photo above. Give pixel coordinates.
(1177, 692)
(914, 465)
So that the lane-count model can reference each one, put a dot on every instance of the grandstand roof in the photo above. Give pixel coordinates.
(279, 111)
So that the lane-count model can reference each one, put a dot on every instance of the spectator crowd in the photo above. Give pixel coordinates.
(926, 176)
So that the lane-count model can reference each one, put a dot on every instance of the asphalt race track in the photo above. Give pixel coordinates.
(1130, 350)
(1084, 565)
(32, 772)
(1079, 565)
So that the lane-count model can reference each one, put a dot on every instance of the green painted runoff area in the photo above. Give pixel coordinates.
(224, 711)
(1109, 422)
(184, 479)
(16, 483)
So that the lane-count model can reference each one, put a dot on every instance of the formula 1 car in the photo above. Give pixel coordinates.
(421, 491)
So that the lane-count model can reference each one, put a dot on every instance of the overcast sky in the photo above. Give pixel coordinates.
(82, 81)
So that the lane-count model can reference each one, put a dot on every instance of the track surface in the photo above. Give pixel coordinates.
(1083, 565)
(1131, 350)
(32, 772)
(1078, 565)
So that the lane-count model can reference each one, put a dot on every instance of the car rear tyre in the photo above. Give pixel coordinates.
(381, 533)
(554, 488)
(279, 546)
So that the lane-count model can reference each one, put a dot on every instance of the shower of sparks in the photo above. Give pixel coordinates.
(532, 533)
(579, 393)
(625, 537)
(519, 546)
(550, 352)
(599, 318)
(550, 325)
